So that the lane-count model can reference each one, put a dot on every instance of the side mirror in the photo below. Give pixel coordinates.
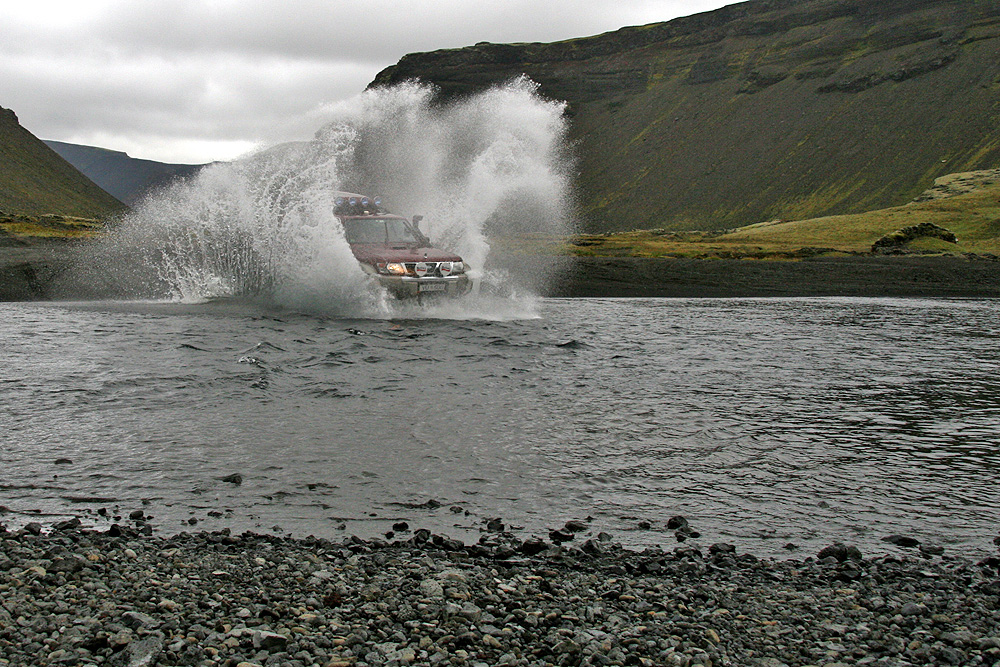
(416, 221)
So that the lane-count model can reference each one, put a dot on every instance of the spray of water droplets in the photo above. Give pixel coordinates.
(483, 170)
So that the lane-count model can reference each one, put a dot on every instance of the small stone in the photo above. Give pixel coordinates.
(167, 604)
(137, 619)
(431, 589)
(268, 641)
(912, 609)
(235, 479)
(141, 653)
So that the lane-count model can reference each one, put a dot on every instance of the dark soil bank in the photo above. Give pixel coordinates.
(841, 276)
(76, 597)
(31, 272)
(28, 272)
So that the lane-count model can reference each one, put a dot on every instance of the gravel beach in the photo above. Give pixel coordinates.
(118, 597)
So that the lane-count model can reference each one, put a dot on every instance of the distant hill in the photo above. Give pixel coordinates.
(125, 177)
(762, 110)
(34, 180)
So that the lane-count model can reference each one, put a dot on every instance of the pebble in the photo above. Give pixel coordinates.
(259, 600)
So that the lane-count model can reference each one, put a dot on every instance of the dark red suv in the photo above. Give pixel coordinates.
(396, 253)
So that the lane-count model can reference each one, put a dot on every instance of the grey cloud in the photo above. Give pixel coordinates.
(189, 71)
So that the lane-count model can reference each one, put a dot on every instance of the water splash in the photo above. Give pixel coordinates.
(483, 169)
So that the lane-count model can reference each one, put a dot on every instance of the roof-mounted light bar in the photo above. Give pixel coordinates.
(357, 205)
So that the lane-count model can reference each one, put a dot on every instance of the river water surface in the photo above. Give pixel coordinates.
(763, 421)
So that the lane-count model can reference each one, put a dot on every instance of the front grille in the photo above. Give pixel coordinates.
(433, 268)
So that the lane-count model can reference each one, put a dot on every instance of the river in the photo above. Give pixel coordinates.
(764, 422)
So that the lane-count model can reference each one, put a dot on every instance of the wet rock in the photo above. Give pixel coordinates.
(575, 526)
(559, 536)
(137, 515)
(495, 525)
(68, 524)
(676, 522)
(63, 462)
(33, 528)
(533, 546)
(684, 532)
(840, 552)
(722, 548)
(235, 478)
(902, 541)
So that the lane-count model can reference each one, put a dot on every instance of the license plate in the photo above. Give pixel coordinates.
(432, 287)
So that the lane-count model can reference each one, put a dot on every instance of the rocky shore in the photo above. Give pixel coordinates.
(118, 597)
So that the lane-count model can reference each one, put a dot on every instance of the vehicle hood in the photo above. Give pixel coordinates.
(371, 253)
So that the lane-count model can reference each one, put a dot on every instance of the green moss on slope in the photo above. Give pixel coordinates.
(34, 180)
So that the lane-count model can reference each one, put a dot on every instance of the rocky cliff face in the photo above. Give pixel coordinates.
(36, 181)
(760, 110)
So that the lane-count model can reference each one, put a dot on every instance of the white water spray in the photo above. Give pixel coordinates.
(486, 168)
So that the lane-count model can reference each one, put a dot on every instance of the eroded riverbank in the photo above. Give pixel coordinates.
(118, 598)
(32, 272)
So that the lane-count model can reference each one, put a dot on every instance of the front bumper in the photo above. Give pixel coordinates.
(410, 287)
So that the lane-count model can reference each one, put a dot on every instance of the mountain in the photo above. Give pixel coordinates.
(762, 110)
(125, 177)
(35, 180)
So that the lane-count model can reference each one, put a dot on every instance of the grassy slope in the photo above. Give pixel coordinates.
(974, 217)
(684, 155)
(786, 109)
(35, 181)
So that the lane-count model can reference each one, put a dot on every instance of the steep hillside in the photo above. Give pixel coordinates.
(34, 180)
(125, 177)
(762, 110)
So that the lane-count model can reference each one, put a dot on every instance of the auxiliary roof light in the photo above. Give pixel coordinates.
(354, 201)
(365, 201)
(339, 201)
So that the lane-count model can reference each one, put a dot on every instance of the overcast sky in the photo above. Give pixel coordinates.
(193, 81)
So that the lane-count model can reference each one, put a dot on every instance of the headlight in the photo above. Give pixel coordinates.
(394, 268)
(458, 267)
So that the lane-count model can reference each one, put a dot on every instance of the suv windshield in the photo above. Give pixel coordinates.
(378, 230)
